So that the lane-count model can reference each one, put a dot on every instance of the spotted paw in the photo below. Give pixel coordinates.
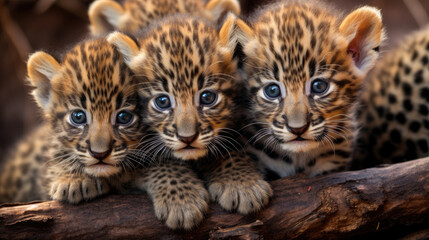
(77, 189)
(247, 196)
(182, 207)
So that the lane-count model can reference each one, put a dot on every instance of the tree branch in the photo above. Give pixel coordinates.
(340, 205)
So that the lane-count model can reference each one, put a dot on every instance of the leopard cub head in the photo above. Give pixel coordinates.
(89, 100)
(305, 67)
(134, 15)
(187, 76)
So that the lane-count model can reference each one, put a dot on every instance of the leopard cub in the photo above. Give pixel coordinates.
(133, 16)
(394, 108)
(192, 98)
(305, 66)
(92, 125)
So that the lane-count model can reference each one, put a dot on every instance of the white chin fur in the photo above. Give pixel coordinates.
(102, 170)
(190, 154)
(299, 146)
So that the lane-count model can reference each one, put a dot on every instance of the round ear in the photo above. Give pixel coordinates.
(42, 68)
(215, 9)
(364, 32)
(105, 16)
(133, 57)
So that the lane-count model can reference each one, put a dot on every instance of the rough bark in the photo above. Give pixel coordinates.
(340, 205)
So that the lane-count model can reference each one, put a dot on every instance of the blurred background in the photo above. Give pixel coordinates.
(56, 25)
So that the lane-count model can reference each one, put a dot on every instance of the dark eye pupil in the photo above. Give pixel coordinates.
(319, 86)
(207, 97)
(78, 117)
(272, 91)
(124, 118)
(163, 102)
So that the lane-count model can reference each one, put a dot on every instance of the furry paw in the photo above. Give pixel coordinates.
(76, 189)
(245, 196)
(182, 207)
(179, 196)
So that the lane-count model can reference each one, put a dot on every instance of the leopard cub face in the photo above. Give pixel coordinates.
(90, 102)
(305, 68)
(187, 77)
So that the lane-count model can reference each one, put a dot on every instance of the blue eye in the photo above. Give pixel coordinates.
(207, 97)
(272, 91)
(319, 86)
(124, 117)
(78, 117)
(163, 102)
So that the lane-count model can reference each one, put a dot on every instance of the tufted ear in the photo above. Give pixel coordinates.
(104, 15)
(218, 8)
(129, 49)
(232, 32)
(42, 68)
(363, 30)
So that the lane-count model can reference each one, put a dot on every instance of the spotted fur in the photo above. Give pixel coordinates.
(134, 15)
(19, 179)
(291, 45)
(181, 59)
(394, 112)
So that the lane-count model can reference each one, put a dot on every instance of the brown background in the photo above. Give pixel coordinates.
(55, 25)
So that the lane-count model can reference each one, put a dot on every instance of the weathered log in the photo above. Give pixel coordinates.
(340, 205)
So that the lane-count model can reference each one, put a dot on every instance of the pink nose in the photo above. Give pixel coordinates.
(100, 156)
(187, 140)
(298, 131)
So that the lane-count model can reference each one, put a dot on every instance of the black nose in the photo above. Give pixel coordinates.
(187, 140)
(100, 156)
(298, 131)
